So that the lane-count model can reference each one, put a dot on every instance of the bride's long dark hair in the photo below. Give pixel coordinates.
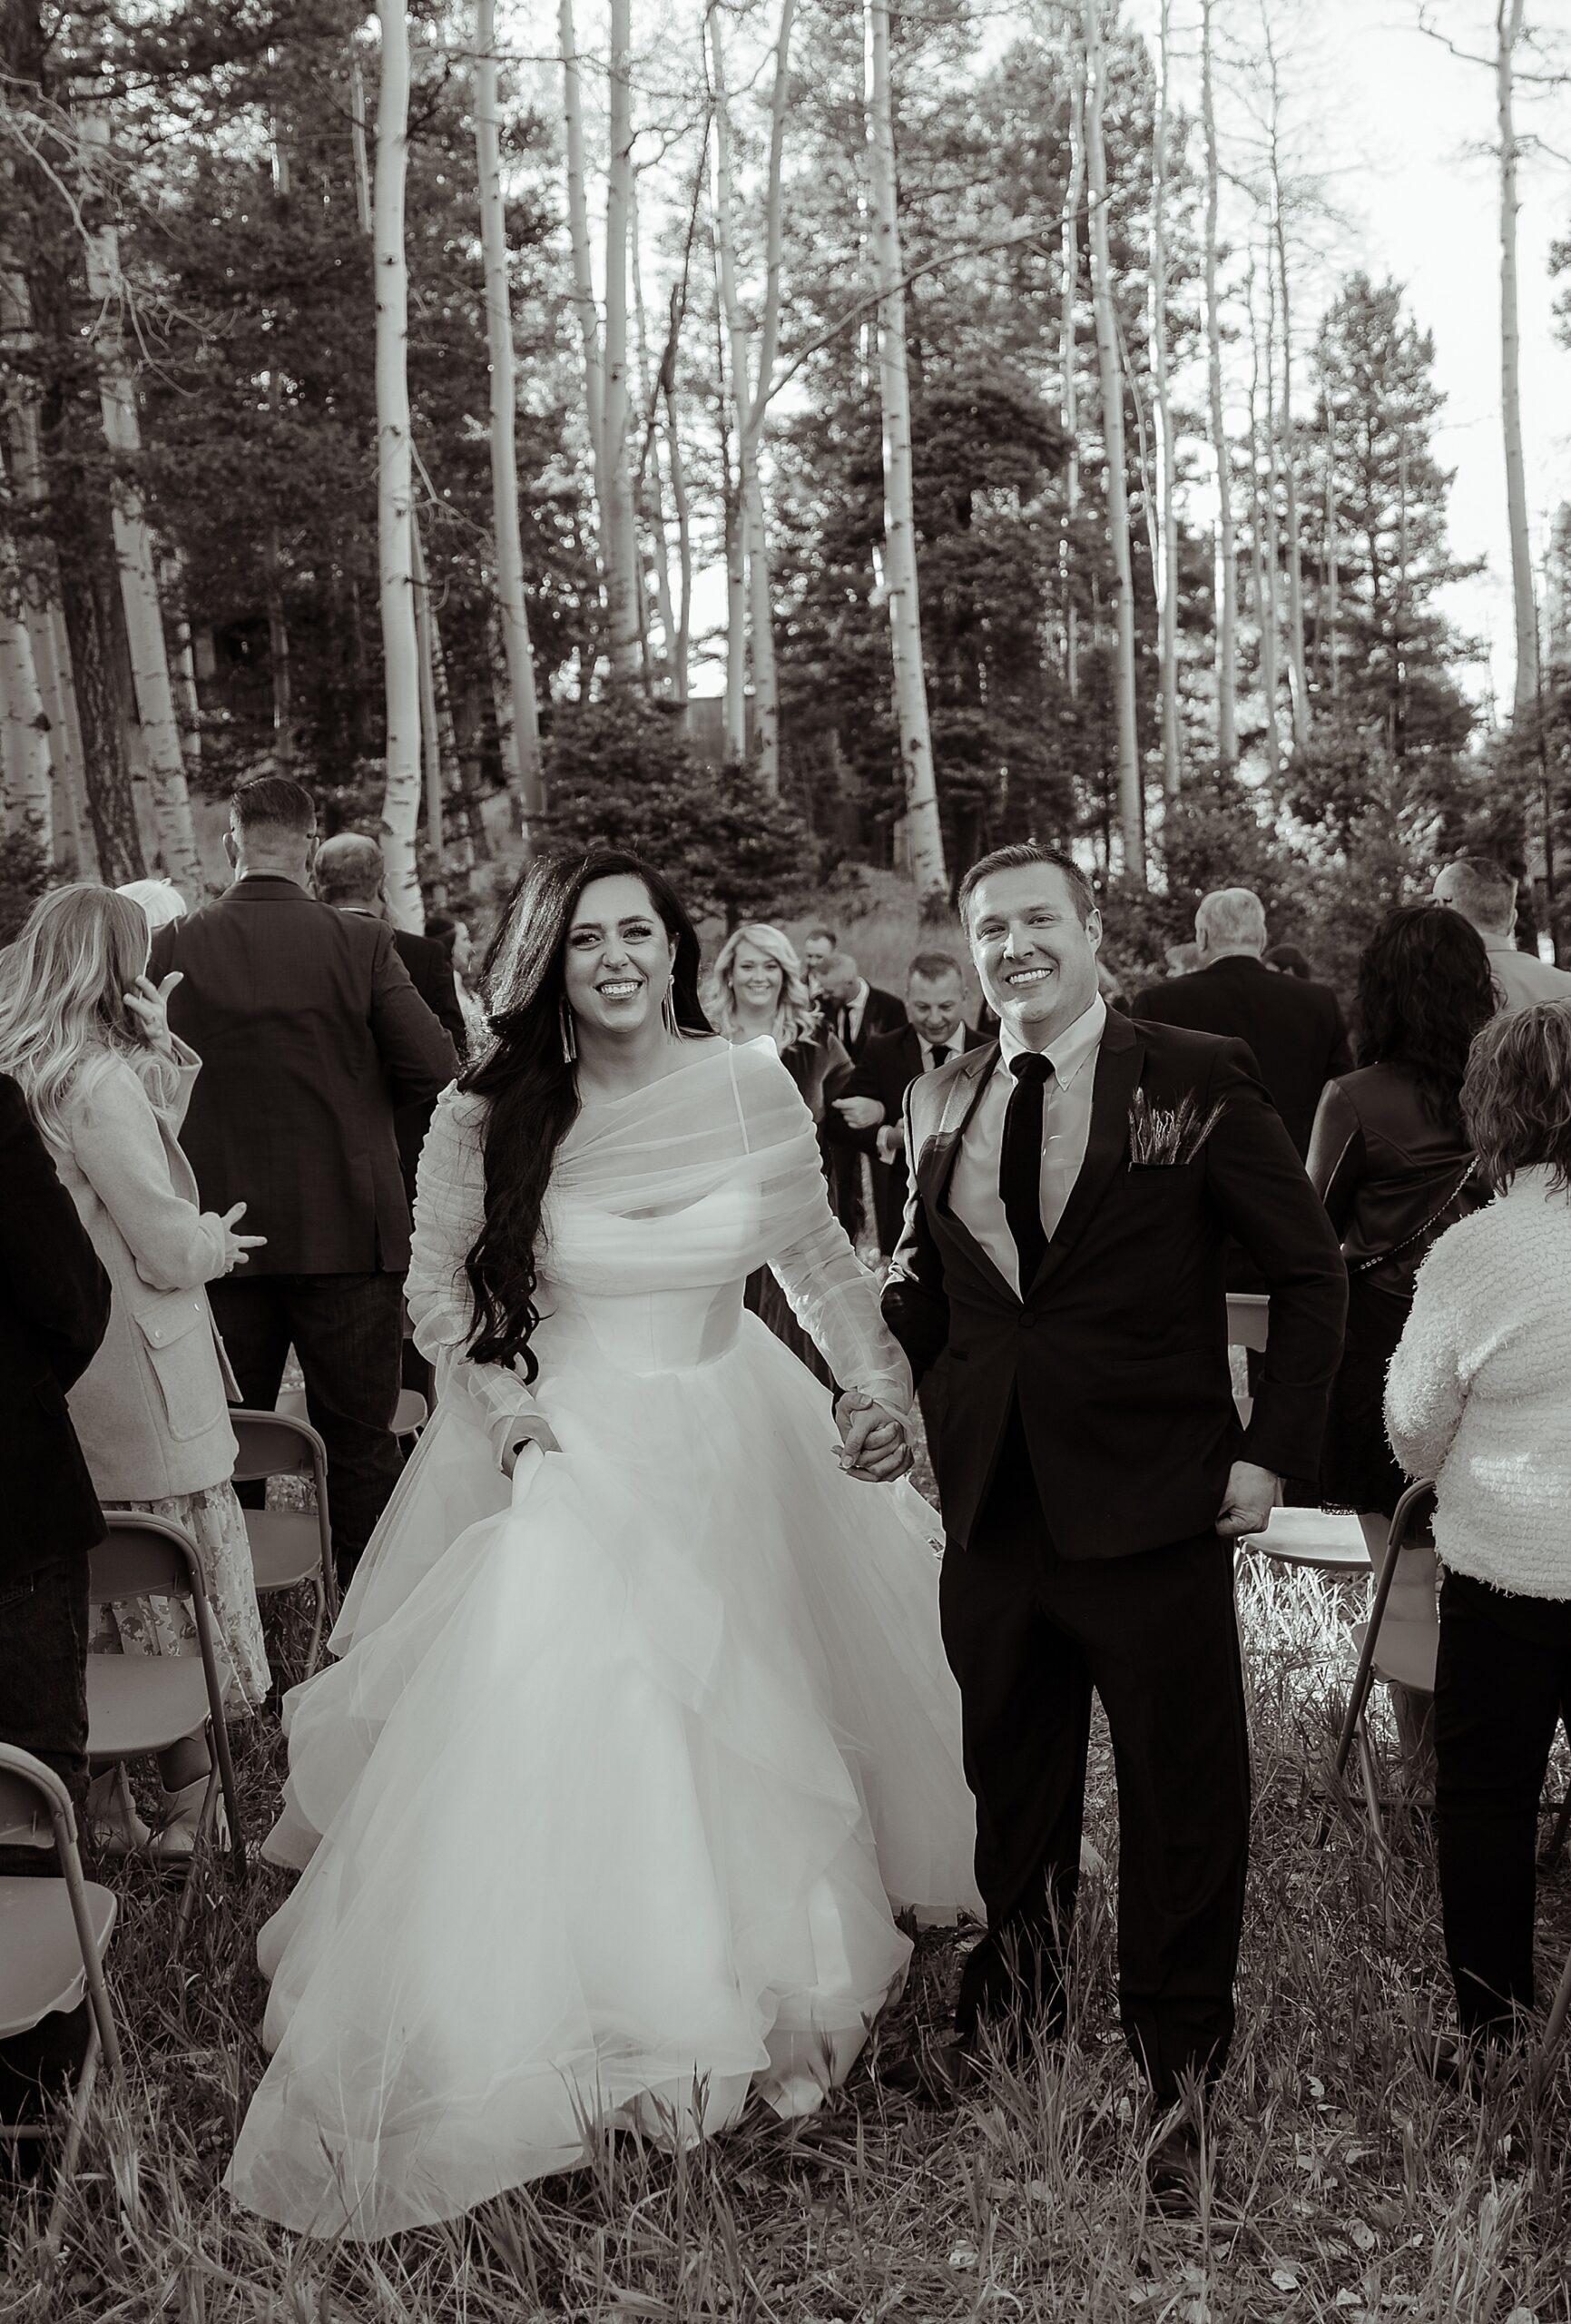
(529, 1084)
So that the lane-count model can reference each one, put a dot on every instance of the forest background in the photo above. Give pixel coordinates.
(389, 399)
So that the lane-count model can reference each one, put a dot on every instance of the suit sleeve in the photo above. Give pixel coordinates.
(417, 1054)
(55, 1280)
(861, 1083)
(1258, 1186)
(916, 1300)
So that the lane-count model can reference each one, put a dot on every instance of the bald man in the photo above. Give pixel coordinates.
(1295, 1029)
(1485, 893)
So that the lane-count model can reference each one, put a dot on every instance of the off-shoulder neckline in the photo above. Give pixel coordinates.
(712, 1044)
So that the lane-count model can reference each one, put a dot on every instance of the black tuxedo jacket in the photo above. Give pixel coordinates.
(884, 1013)
(1118, 1352)
(54, 1312)
(888, 1064)
(1294, 1030)
(309, 1034)
(430, 967)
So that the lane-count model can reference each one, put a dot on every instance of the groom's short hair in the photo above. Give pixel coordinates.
(1016, 857)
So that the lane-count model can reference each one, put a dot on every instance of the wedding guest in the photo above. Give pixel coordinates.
(160, 900)
(757, 991)
(1294, 1030)
(854, 1008)
(1289, 960)
(350, 874)
(1485, 893)
(54, 1313)
(936, 1030)
(1479, 1399)
(454, 934)
(310, 1034)
(818, 945)
(85, 1033)
(1392, 1159)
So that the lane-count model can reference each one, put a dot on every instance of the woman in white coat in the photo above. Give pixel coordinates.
(85, 1035)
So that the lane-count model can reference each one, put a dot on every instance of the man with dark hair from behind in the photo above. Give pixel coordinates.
(1485, 893)
(309, 1033)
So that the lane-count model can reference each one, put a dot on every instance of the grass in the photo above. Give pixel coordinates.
(1345, 2185)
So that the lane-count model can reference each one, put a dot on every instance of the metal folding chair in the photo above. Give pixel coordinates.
(1401, 1654)
(54, 1934)
(1310, 1537)
(289, 1547)
(140, 1704)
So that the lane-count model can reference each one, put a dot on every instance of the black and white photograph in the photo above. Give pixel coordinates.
(785, 1162)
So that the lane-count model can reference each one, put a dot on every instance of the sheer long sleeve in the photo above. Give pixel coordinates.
(832, 1296)
(449, 1209)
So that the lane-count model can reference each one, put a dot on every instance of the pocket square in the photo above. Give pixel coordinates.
(1165, 1137)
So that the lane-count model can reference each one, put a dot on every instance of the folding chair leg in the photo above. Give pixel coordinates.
(201, 1847)
(316, 1645)
(1371, 1791)
(230, 1793)
(1560, 2009)
(81, 2098)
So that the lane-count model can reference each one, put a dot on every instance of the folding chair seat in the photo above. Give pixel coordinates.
(410, 1412)
(141, 1704)
(291, 1549)
(1313, 1539)
(54, 1934)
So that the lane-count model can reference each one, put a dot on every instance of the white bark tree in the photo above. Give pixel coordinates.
(738, 496)
(1131, 814)
(1167, 514)
(619, 550)
(517, 653)
(1284, 443)
(394, 476)
(1069, 390)
(134, 550)
(1226, 584)
(924, 831)
(1509, 27)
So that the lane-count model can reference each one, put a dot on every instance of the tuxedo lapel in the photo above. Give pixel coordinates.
(1119, 1061)
(935, 1164)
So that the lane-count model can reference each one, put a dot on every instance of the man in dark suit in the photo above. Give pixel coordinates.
(872, 1105)
(854, 1008)
(1060, 1284)
(54, 1313)
(309, 1033)
(350, 874)
(1294, 1029)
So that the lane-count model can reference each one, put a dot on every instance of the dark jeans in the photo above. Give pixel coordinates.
(1029, 1635)
(43, 1624)
(1503, 1674)
(347, 1331)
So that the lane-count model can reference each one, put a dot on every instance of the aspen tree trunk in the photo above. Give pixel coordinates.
(1284, 445)
(431, 769)
(133, 548)
(1131, 816)
(29, 799)
(1509, 15)
(737, 489)
(395, 482)
(1069, 392)
(765, 683)
(183, 666)
(584, 304)
(624, 579)
(1226, 599)
(1166, 575)
(73, 847)
(1262, 540)
(501, 708)
(1333, 578)
(509, 543)
(681, 510)
(650, 459)
(924, 831)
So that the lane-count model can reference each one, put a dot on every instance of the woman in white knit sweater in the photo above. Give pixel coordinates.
(1478, 1397)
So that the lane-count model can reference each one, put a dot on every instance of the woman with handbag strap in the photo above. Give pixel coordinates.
(1391, 1158)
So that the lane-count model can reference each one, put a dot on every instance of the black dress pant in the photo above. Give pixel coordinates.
(1029, 1635)
(347, 1331)
(1503, 1675)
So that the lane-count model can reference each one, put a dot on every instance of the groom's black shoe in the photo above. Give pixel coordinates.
(935, 2074)
(1174, 2173)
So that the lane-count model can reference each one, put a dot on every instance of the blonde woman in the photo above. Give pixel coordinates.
(757, 992)
(84, 1033)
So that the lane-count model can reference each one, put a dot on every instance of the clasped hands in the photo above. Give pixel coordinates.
(875, 1447)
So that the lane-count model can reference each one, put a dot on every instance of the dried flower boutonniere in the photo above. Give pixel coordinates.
(1162, 1136)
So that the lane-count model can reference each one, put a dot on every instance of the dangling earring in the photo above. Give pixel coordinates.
(668, 1015)
(569, 1038)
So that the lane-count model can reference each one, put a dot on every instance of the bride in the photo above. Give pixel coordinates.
(601, 1813)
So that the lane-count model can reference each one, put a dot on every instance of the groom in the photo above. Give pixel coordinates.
(1060, 1289)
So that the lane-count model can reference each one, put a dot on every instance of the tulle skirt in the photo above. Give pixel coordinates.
(602, 1812)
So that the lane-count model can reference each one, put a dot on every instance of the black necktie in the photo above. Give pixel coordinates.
(942, 1056)
(1020, 1162)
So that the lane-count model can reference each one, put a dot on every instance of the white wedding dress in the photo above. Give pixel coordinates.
(603, 1810)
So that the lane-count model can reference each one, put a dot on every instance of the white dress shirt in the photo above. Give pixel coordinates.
(974, 1193)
